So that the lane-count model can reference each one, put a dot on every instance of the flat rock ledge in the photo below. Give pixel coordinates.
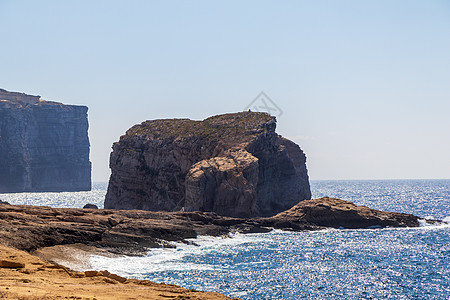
(132, 232)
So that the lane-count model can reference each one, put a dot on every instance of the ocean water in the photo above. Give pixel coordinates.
(411, 263)
(65, 199)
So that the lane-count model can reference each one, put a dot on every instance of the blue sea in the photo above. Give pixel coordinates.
(411, 263)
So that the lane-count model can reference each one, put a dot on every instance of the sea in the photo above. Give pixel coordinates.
(389, 263)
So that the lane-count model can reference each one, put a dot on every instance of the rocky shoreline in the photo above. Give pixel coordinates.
(132, 232)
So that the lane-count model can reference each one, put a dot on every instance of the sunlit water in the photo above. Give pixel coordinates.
(65, 199)
(386, 263)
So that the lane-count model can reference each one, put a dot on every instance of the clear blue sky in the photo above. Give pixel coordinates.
(364, 85)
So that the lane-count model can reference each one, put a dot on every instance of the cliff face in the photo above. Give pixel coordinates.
(232, 164)
(44, 146)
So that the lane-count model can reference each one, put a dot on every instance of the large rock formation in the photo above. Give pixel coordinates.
(44, 146)
(232, 164)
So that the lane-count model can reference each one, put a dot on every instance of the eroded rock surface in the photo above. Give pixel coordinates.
(232, 164)
(44, 146)
(225, 185)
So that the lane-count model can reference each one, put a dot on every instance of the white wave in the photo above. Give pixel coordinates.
(184, 256)
(425, 225)
(159, 260)
(174, 259)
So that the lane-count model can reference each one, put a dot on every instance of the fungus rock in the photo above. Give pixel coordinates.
(231, 164)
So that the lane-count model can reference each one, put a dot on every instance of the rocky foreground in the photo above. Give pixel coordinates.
(25, 276)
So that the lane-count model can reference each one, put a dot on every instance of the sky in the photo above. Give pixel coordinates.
(364, 86)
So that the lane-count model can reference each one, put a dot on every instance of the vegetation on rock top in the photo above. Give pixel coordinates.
(221, 127)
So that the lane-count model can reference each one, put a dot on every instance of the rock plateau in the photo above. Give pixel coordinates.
(231, 164)
(44, 146)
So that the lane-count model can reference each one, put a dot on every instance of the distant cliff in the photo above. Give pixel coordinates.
(232, 164)
(44, 146)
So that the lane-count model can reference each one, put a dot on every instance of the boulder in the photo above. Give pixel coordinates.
(225, 185)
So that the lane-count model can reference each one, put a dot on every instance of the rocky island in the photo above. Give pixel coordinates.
(231, 164)
(44, 145)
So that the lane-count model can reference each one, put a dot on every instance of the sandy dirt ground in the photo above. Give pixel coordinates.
(26, 276)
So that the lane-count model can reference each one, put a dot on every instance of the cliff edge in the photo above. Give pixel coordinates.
(44, 146)
(231, 164)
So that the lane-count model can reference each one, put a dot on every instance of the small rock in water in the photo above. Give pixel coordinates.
(90, 206)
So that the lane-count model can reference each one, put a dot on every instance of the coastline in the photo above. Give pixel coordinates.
(43, 239)
(132, 232)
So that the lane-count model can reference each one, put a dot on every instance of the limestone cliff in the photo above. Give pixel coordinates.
(44, 146)
(231, 164)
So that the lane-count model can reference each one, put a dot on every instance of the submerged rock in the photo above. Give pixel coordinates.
(231, 164)
(44, 146)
